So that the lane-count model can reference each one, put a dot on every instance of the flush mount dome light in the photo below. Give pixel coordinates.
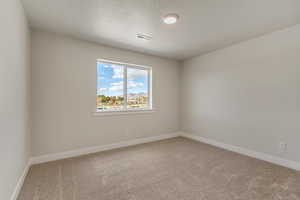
(171, 18)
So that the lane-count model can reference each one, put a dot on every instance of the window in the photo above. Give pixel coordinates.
(123, 87)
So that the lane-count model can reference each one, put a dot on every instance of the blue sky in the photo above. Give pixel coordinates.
(110, 80)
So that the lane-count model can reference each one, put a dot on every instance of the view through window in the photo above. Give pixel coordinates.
(122, 87)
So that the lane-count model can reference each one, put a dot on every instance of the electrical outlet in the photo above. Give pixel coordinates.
(282, 146)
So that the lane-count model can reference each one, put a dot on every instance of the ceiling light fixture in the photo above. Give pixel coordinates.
(171, 18)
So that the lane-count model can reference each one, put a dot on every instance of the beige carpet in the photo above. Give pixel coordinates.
(171, 169)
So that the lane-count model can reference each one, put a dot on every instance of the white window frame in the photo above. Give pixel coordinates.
(125, 109)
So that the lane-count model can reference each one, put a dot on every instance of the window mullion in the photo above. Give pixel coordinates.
(125, 87)
(149, 89)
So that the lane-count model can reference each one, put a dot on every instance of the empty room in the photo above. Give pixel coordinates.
(150, 100)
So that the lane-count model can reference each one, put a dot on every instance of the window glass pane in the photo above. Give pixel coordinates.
(137, 88)
(110, 83)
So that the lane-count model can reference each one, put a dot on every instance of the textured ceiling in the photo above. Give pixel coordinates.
(204, 25)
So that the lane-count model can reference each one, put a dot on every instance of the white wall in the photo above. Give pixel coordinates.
(64, 96)
(247, 95)
(14, 95)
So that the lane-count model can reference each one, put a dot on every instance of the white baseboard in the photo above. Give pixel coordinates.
(68, 154)
(74, 153)
(20, 182)
(258, 155)
(95, 149)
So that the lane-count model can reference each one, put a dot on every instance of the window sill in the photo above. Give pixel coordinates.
(123, 112)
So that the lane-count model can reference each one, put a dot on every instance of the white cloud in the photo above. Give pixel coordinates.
(106, 66)
(133, 84)
(117, 86)
(118, 71)
(117, 83)
(100, 90)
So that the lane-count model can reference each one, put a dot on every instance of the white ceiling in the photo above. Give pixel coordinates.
(204, 25)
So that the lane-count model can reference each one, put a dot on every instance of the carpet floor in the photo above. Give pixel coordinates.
(172, 169)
